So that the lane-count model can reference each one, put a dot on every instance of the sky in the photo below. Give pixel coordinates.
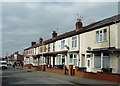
(24, 22)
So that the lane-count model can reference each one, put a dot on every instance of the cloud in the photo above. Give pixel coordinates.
(25, 22)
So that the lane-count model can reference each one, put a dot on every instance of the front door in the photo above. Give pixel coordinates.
(88, 63)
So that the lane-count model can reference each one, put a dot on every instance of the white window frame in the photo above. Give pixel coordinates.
(62, 44)
(28, 51)
(73, 58)
(100, 36)
(101, 57)
(74, 41)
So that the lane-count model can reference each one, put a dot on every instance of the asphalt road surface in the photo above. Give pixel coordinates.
(13, 76)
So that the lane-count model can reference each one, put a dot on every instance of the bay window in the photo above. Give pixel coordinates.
(73, 59)
(60, 60)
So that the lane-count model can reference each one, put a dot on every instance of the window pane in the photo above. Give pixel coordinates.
(75, 56)
(31, 60)
(75, 62)
(71, 58)
(63, 60)
(62, 44)
(97, 36)
(106, 62)
(76, 43)
(105, 34)
(60, 59)
(101, 35)
(72, 43)
(97, 61)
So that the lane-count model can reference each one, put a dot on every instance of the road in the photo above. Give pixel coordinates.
(22, 77)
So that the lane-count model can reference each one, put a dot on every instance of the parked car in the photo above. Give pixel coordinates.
(3, 64)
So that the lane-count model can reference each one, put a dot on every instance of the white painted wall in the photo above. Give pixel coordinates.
(118, 35)
(15, 56)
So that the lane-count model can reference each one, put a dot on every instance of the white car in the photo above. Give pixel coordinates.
(3, 64)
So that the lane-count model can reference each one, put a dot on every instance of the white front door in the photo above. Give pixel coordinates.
(88, 63)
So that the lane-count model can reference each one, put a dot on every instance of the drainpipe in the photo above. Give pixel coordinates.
(79, 50)
(109, 36)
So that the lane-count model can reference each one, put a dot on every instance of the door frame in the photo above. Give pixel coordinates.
(88, 68)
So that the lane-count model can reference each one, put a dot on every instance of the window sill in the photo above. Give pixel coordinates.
(74, 48)
(101, 41)
(97, 68)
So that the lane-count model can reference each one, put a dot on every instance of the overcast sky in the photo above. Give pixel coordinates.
(25, 22)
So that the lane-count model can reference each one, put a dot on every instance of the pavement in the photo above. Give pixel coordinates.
(72, 79)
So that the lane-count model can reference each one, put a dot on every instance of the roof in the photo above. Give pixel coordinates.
(93, 26)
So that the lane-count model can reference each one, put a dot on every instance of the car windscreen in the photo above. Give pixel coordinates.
(4, 63)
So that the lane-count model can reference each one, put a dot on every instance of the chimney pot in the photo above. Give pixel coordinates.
(40, 40)
(54, 34)
(78, 24)
(33, 43)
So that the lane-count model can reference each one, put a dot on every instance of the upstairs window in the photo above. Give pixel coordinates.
(32, 51)
(74, 42)
(101, 35)
(54, 46)
(48, 47)
(42, 48)
(62, 44)
(39, 50)
(28, 51)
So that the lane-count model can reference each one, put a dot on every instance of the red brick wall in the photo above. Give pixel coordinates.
(33, 68)
(26, 51)
(25, 67)
(45, 48)
(41, 49)
(99, 76)
(37, 68)
(71, 71)
(55, 70)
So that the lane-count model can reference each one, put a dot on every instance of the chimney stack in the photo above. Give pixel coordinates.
(78, 24)
(40, 40)
(16, 52)
(54, 34)
(33, 43)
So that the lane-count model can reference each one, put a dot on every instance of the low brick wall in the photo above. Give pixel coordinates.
(99, 76)
(9, 64)
(53, 70)
(21, 66)
(36, 68)
(27, 67)
(33, 68)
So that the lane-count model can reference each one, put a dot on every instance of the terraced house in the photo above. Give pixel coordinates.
(95, 47)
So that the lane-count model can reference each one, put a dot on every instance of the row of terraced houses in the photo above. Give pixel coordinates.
(94, 47)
